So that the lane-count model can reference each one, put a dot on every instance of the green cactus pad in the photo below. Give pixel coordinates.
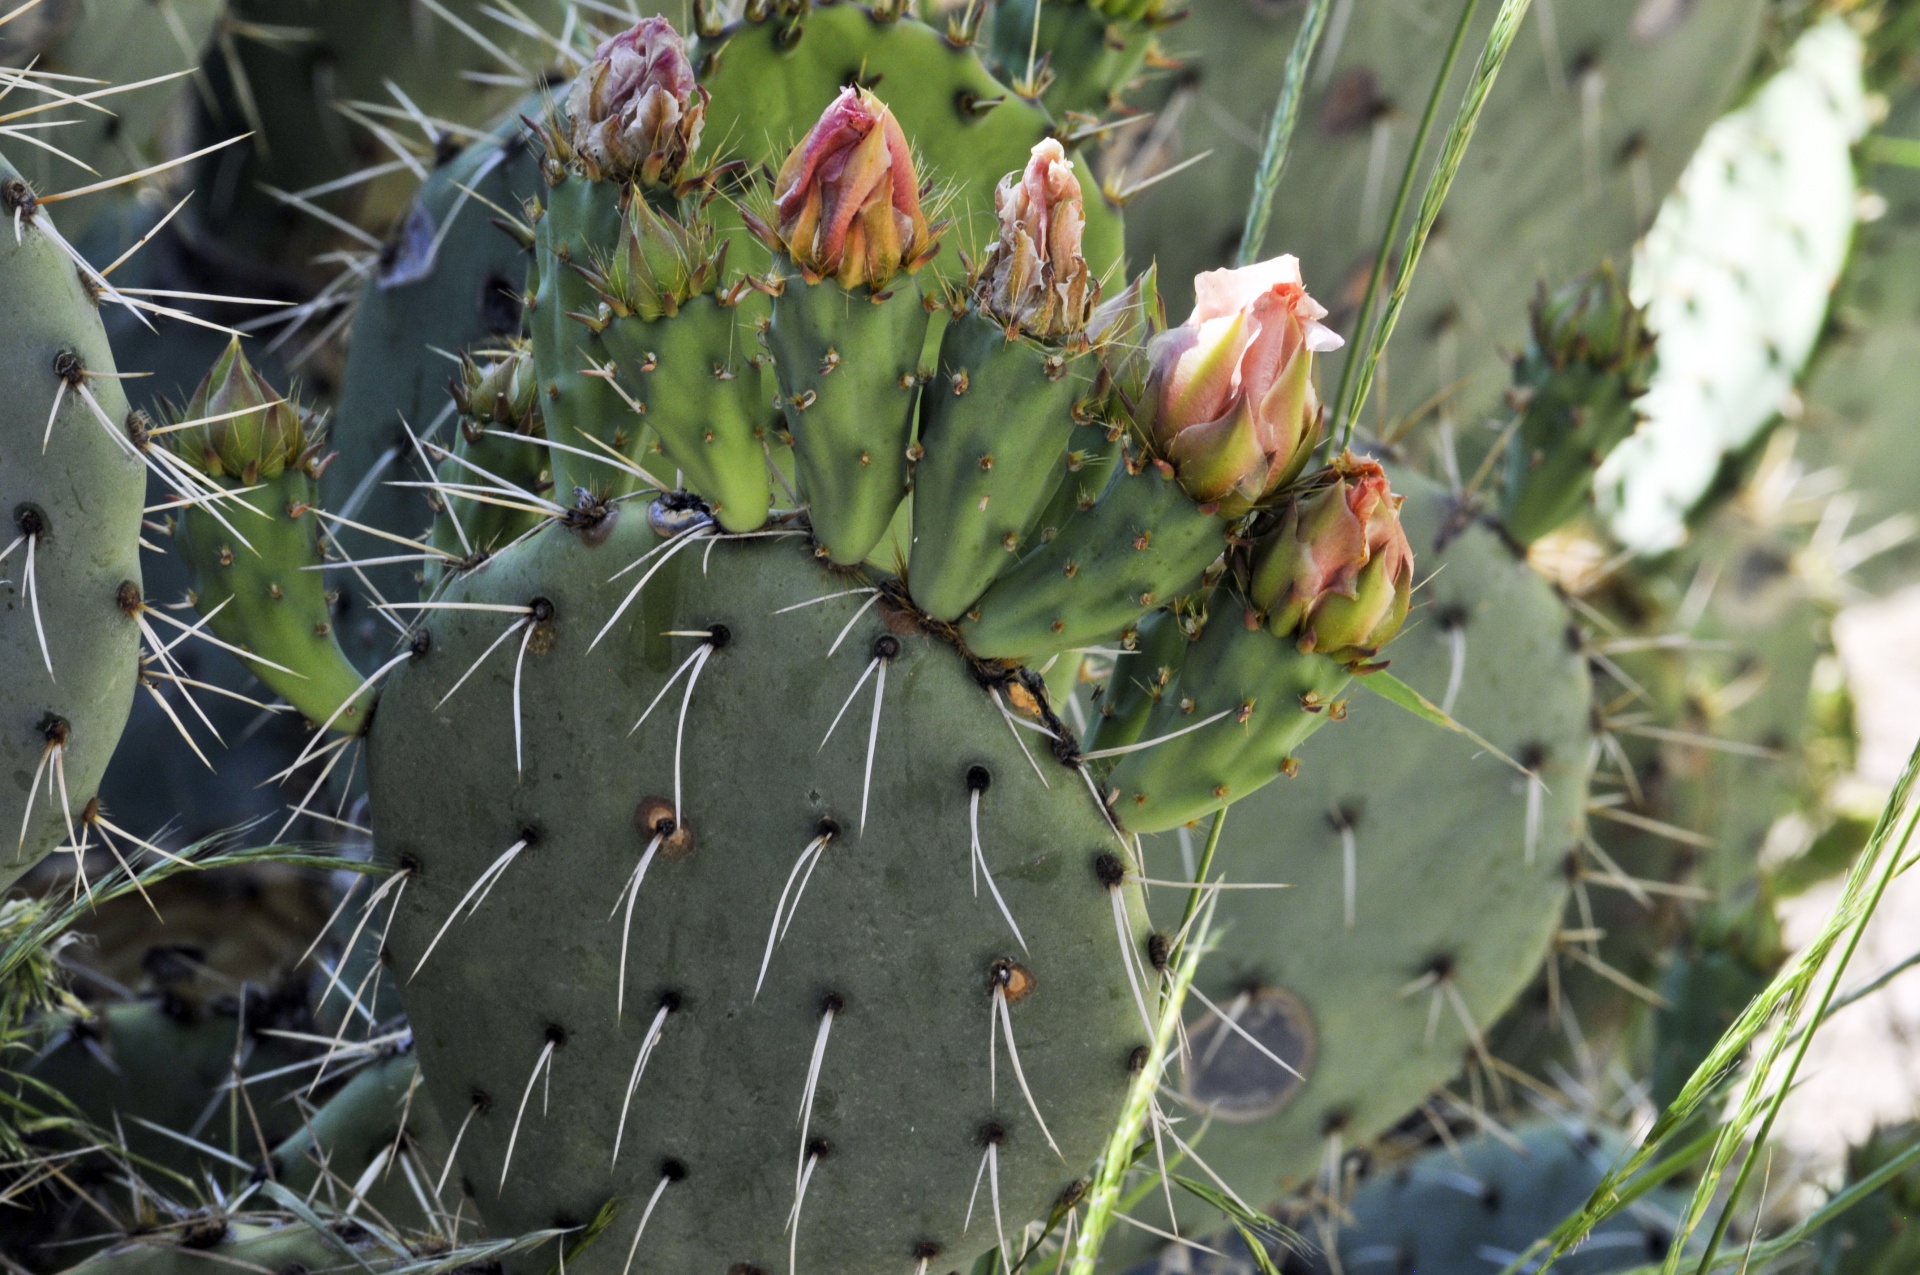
(1141, 544)
(1086, 57)
(771, 78)
(212, 1241)
(1139, 680)
(1736, 275)
(847, 364)
(702, 393)
(1587, 361)
(451, 280)
(994, 429)
(270, 601)
(883, 930)
(376, 1116)
(1242, 705)
(168, 1063)
(1458, 869)
(348, 51)
(71, 491)
(581, 216)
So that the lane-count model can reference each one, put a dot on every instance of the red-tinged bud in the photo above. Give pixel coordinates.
(635, 111)
(1233, 400)
(1337, 574)
(847, 199)
(1034, 277)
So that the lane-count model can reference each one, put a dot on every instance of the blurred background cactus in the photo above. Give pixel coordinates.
(552, 549)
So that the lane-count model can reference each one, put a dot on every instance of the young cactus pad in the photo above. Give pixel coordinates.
(1391, 832)
(70, 497)
(782, 991)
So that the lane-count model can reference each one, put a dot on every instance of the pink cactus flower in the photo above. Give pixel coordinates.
(1337, 574)
(1234, 405)
(1034, 278)
(635, 110)
(848, 199)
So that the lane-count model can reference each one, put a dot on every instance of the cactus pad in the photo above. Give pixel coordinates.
(869, 880)
(70, 497)
(1439, 833)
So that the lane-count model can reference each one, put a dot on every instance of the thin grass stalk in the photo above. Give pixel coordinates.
(1286, 114)
(1103, 1198)
(1850, 914)
(1383, 253)
(1506, 25)
(1734, 1135)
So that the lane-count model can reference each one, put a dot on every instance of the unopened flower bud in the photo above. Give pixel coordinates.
(250, 432)
(661, 263)
(1233, 401)
(635, 110)
(848, 197)
(1034, 277)
(500, 393)
(1593, 321)
(1337, 574)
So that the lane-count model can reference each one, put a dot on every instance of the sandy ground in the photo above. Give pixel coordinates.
(1863, 1068)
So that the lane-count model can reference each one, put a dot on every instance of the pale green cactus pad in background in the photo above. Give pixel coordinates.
(1735, 276)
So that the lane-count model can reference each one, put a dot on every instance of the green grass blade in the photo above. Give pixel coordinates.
(1506, 25)
(1370, 299)
(1784, 999)
(1286, 114)
(1103, 1197)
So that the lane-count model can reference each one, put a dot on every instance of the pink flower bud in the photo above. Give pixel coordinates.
(635, 110)
(848, 199)
(1233, 401)
(1338, 572)
(1034, 277)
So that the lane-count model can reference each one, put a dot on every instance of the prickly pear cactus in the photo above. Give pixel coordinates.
(1078, 56)
(1735, 276)
(282, 1247)
(169, 1064)
(293, 73)
(376, 1134)
(1861, 379)
(452, 279)
(1360, 975)
(714, 983)
(1588, 359)
(70, 493)
(255, 555)
(770, 73)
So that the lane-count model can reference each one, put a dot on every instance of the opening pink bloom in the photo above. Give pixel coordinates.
(848, 198)
(635, 110)
(1034, 277)
(1234, 405)
(1338, 572)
